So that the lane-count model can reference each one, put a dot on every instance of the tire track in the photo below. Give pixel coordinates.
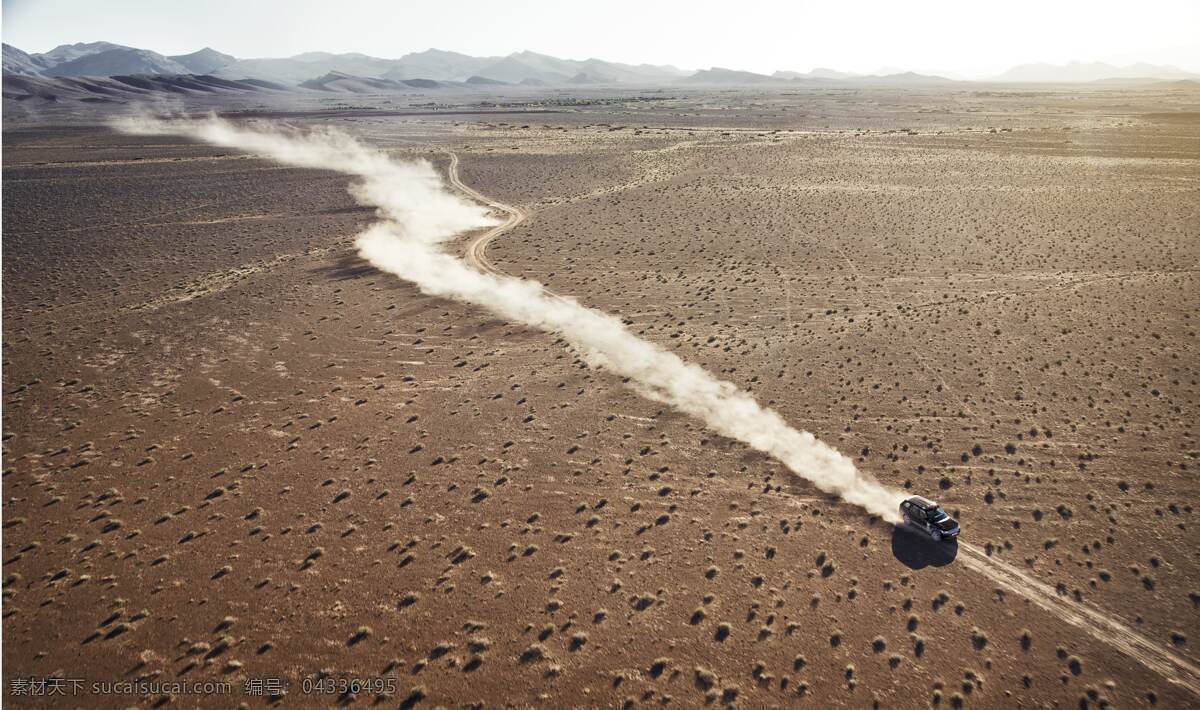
(1102, 626)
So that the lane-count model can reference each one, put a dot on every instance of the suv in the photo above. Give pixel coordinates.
(923, 513)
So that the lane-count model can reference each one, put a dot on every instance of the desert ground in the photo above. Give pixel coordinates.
(234, 451)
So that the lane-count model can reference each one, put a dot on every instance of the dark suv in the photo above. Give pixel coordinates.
(923, 513)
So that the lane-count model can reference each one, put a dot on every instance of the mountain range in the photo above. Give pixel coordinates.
(107, 59)
(1091, 71)
(433, 68)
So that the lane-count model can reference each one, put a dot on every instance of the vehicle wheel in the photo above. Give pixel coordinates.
(907, 522)
(937, 535)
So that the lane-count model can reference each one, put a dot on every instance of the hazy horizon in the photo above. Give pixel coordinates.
(934, 37)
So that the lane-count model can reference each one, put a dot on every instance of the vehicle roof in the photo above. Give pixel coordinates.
(922, 502)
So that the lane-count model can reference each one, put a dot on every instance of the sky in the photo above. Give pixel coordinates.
(957, 37)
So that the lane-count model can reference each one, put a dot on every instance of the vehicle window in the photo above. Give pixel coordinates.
(938, 514)
(917, 513)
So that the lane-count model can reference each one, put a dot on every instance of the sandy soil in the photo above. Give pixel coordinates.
(233, 450)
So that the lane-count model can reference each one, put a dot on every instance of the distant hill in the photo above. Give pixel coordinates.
(585, 78)
(21, 64)
(818, 73)
(483, 81)
(729, 77)
(520, 66)
(825, 73)
(205, 61)
(347, 83)
(437, 64)
(339, 81)
(907, 78)
(112, 62)
(122, 89)
(302, 67)
(67, 52)
(1077, 72)
(618, 73)
(830, 76)
(529, 65)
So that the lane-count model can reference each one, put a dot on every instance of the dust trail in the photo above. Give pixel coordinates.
(417, 214)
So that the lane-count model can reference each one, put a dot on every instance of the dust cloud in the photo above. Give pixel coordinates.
(418, 214)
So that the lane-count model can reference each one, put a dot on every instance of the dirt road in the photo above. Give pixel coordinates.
(476, 251)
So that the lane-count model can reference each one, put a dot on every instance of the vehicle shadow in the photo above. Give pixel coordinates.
(915, 550)
(347, 267)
